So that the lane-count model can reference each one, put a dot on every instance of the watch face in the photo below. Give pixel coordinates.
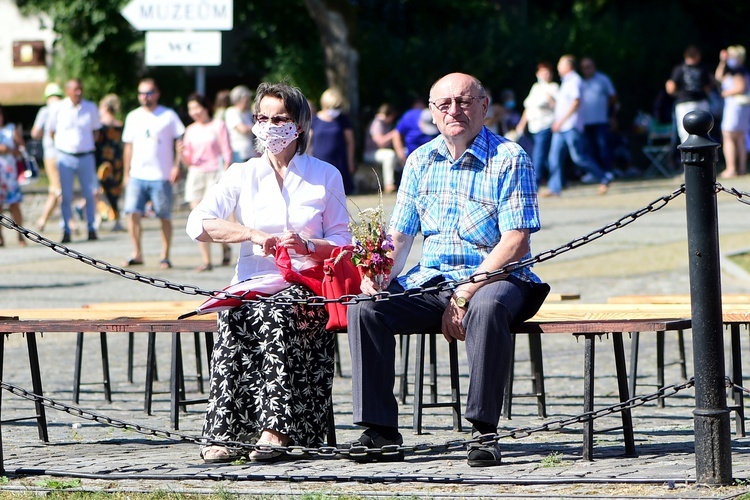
(461, 301)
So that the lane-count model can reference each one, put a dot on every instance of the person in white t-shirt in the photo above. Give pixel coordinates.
(151, 158)
(239, 121)
(75, 126)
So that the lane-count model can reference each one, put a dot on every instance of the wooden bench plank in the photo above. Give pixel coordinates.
(727, 298)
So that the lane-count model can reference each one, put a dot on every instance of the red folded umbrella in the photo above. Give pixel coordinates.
(262, 286)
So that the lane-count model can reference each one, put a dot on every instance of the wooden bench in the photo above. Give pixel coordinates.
(589, 329)
(735, 313)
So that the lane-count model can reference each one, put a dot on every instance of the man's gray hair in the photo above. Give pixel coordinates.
(238, 93)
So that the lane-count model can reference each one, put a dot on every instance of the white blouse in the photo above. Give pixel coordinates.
(310, 202)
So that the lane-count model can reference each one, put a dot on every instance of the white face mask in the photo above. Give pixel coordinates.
(275, 138)
(333, 113)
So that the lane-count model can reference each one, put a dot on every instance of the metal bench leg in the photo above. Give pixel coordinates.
(660, 366)
(336, 355)
(331, 425)
(508, 392)
(105, 367)
(455, 386)
(622, 387)
(633, 361)
(588, 395)
(36, 384)
(150, 371)
(131, 350)
(198, 361)
(418, 383)
(403, 390)
(681, 347)
(175, 382)
(738, 396)
(77, 368)
(537, 373)
(433, 369)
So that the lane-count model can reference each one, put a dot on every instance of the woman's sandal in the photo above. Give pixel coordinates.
(204, 268)
(266, 454)
(218, 454)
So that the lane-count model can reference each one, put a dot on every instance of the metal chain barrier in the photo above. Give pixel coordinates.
(742, 196)
(654, 206)
(358, 451)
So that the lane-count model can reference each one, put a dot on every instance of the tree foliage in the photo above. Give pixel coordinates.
(404, 45)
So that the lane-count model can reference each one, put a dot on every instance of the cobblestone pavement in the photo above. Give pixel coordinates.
(648, 256)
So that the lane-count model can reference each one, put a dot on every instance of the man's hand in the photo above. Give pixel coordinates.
(452, 325)
(369, 287)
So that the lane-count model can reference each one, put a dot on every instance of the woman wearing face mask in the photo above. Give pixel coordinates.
(733, 77)
(272, 366)
(332, 136)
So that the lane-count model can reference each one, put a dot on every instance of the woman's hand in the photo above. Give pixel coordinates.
(293, 241)
(266, 242)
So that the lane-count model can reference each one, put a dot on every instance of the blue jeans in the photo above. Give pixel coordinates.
(85, 168)
(597, 136)
(573, 141)
(139, 192)
(540, 153)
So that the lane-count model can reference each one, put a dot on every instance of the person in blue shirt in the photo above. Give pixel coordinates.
(472, 194)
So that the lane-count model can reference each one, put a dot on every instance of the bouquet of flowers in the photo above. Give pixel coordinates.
(371, 245)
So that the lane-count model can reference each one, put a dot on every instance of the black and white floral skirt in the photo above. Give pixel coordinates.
(272, 368)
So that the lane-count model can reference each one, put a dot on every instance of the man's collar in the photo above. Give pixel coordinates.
(478, 148)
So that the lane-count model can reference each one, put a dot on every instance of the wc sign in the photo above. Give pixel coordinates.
(183, 48)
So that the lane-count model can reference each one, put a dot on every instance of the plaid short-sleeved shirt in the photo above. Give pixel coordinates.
(462, 207)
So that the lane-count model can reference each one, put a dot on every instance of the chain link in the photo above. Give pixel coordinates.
(654, 206)
(735, 192)
(357, 451)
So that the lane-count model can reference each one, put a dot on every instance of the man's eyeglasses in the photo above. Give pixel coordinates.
(150, 92)
(463, 101)
(276, 120)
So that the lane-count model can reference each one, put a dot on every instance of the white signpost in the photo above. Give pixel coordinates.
(169, 39)
(183, 48)
(207, 15)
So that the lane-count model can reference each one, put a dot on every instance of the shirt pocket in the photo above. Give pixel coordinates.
(429, 214)
(478, 224)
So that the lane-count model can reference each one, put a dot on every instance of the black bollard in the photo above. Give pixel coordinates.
(713, 449)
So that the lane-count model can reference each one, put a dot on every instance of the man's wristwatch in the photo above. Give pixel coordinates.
(310, 245)
(461, 302)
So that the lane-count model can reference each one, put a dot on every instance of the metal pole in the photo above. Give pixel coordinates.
(200, 80)
(713, 451)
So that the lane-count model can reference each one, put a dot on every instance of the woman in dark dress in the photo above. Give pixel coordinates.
(332, 137)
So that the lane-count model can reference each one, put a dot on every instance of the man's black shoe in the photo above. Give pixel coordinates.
(65, 238)
(372, 439)
(92, 236)
(483, 454)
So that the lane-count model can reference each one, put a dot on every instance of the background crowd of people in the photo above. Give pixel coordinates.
(567, 122)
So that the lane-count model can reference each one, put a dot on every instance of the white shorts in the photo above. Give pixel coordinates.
(198, 183)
